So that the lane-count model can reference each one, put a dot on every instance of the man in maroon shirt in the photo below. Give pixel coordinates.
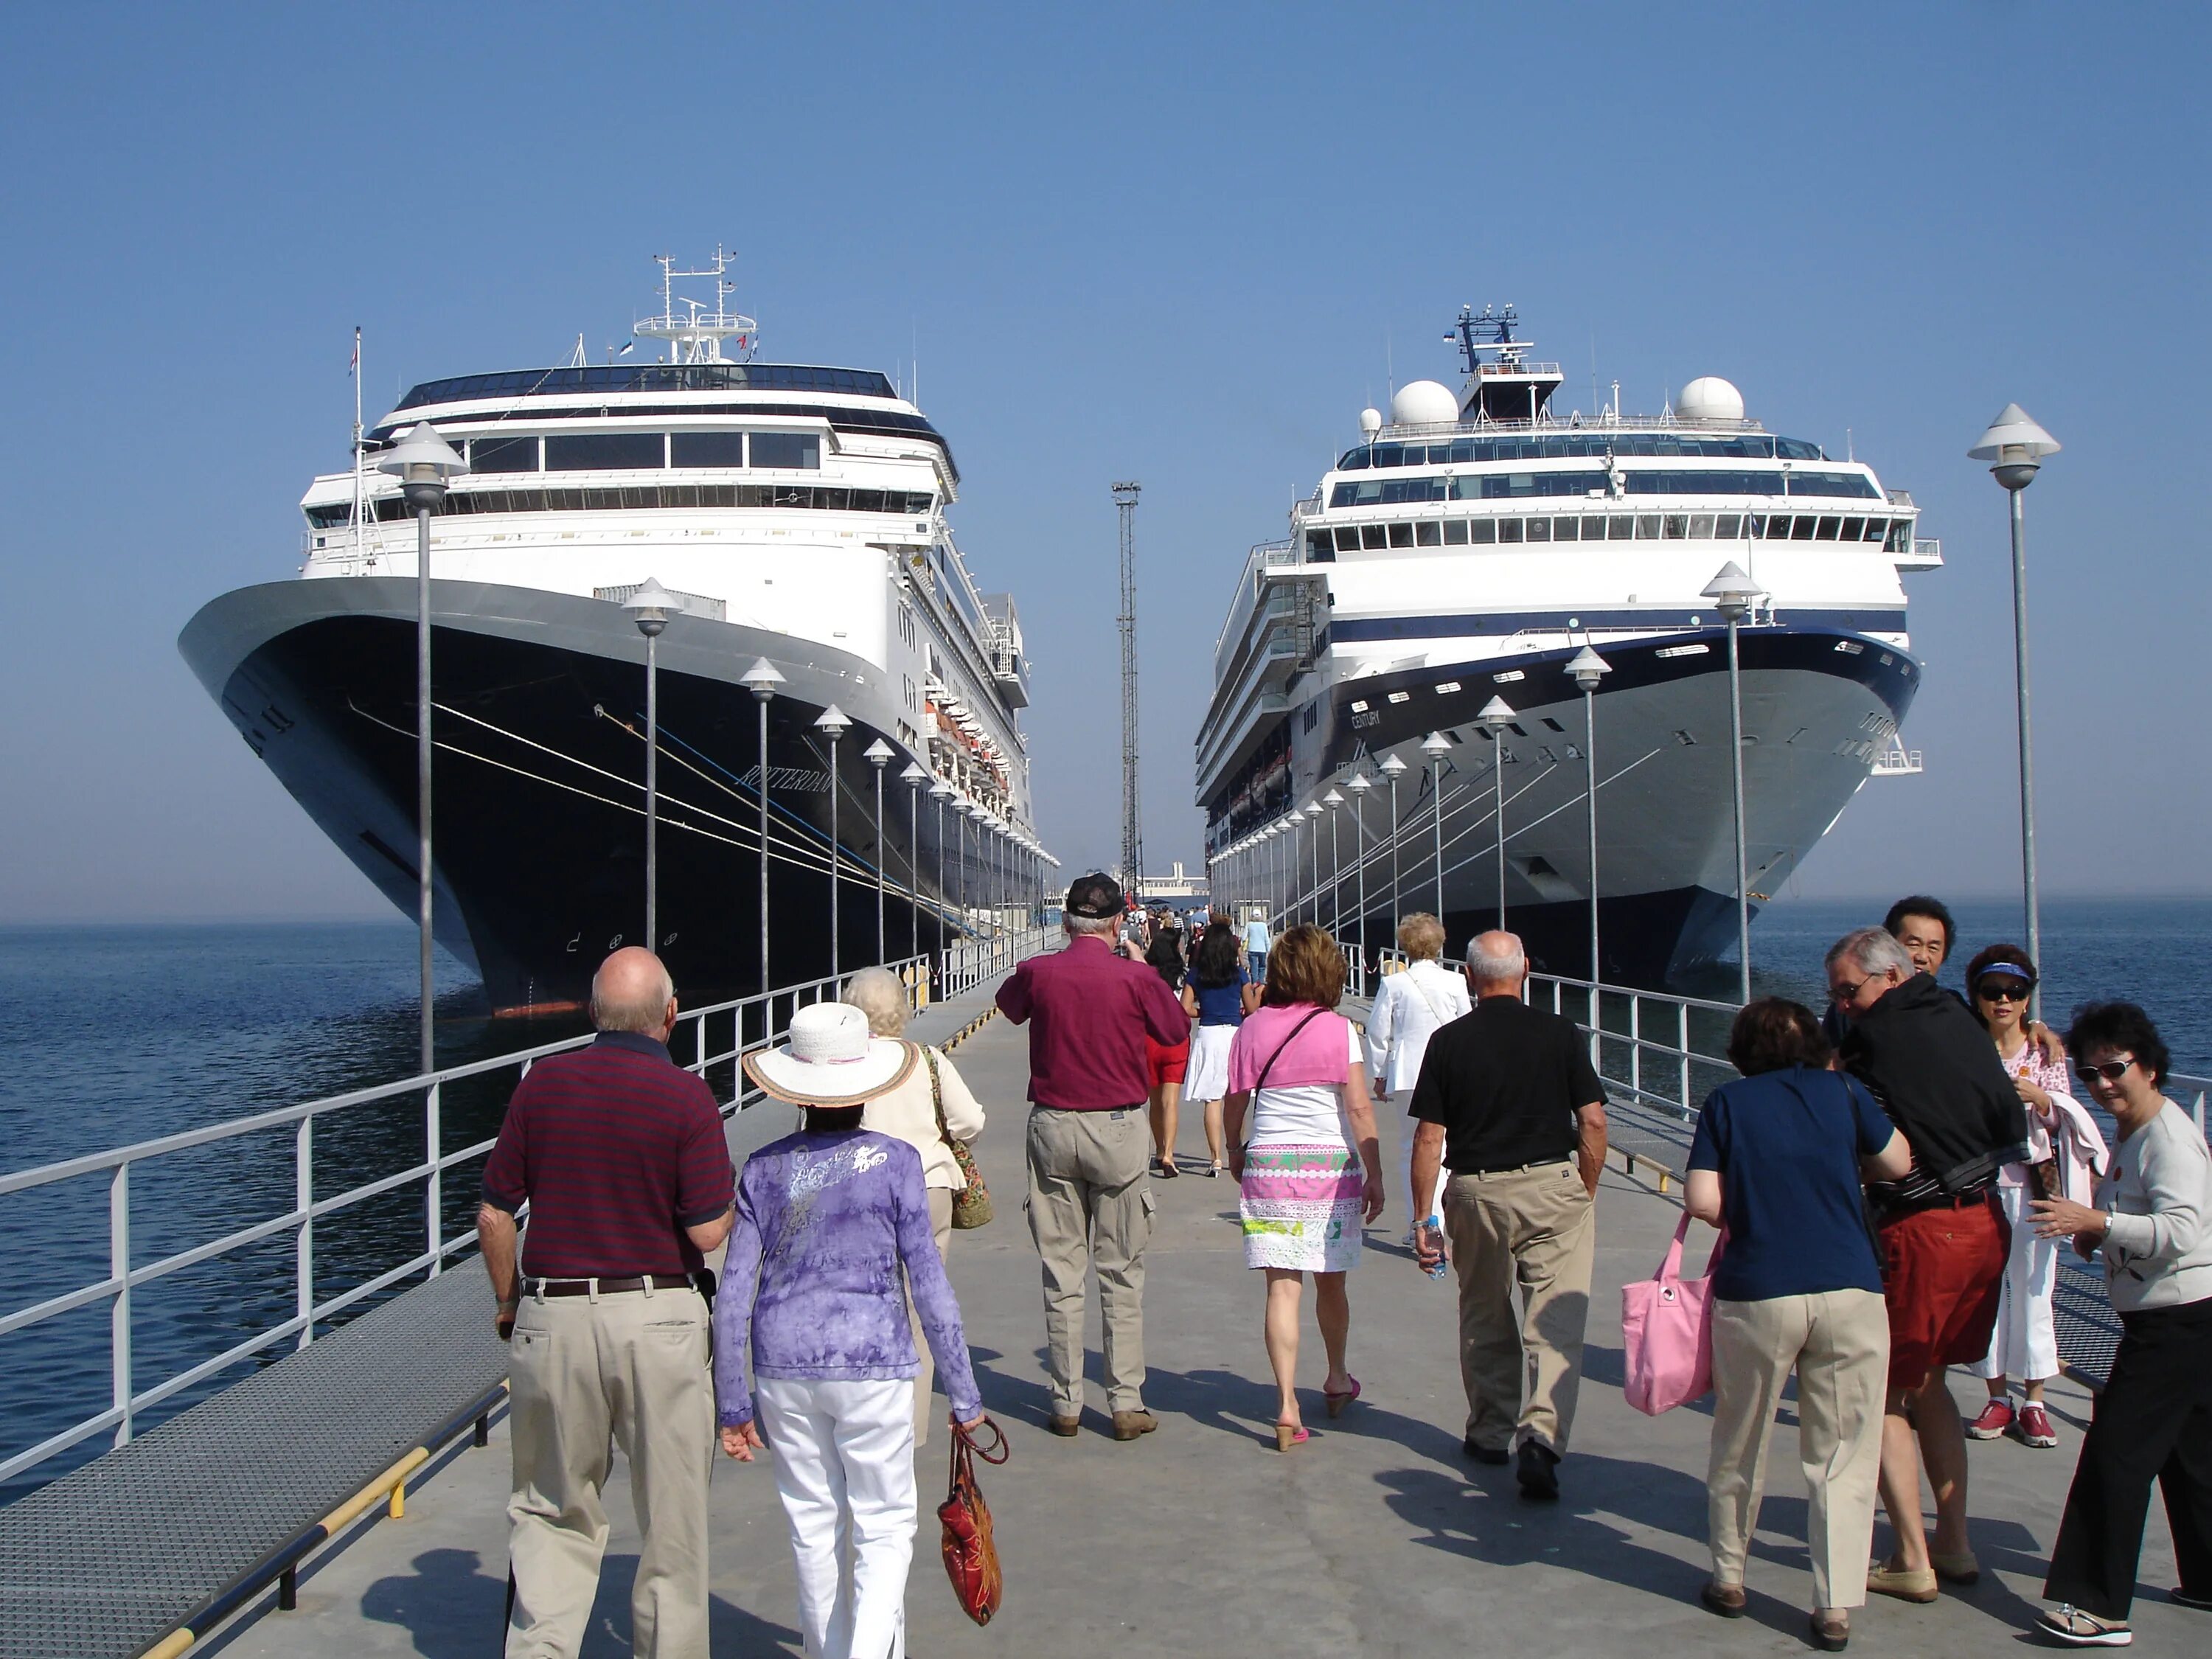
(620, 1154)
(1089, 1012)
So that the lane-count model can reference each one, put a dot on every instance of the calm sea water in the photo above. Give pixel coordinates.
(114, 1035)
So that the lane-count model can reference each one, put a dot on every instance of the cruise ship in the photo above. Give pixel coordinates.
(799, 514)
(1469, 547)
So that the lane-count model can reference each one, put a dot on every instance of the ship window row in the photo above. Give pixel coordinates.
(639, 452)
(650, 377)
(392, 509)
(1504, 486)
(1324, 545)
(1569, 445)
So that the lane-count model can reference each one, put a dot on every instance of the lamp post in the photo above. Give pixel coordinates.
(1496, 715)
(1733, 593)
(878, 755)
(423, 461)
(1436, 748)
(832, 723)
(940, 792)
(1586, 668)
(914, 777)
(2016, 445)
(1359, 784)
(1334, 800)
(1393, 769)
(1314, 811)
(762, 679)
(649, 608)
(963, 810)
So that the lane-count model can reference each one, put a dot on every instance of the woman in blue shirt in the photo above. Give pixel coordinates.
(1777, 1161)
(1219, 992)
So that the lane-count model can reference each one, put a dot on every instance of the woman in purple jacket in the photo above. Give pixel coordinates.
(826, 1221)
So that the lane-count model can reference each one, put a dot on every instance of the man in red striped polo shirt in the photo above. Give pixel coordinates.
(620, 1155)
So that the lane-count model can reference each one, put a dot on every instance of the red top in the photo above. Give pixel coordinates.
(618, 1150)
(1093, 1011)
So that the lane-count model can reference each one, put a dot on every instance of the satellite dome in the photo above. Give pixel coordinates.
(1424, 402)
(1709, 398)
(1370, 421)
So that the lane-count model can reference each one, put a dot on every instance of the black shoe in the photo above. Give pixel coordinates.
(1482, 1454)
(1539, 1473)
(2185, 1598)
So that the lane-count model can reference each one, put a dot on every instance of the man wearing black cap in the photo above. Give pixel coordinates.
(1088, 1012)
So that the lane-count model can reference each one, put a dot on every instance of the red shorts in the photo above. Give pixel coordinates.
(1168, 1063)
(1942, 1273)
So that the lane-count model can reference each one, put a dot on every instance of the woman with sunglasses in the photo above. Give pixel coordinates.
(2065, 1154)
(2153, 1219)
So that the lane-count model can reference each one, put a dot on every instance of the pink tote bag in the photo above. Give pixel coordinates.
(1666, 1328)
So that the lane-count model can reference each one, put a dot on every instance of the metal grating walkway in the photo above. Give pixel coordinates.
(108, 1560)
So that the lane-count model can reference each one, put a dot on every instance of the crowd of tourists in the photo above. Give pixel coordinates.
(1894, 1179)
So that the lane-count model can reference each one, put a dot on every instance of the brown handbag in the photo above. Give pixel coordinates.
(971, 1204)
(971, 1558)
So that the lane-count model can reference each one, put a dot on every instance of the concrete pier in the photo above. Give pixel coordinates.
(1376, 1538)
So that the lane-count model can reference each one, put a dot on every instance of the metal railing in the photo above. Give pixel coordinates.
(713, 1038)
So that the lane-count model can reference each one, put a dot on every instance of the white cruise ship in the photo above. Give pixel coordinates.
(799, 514)
(1469, 547)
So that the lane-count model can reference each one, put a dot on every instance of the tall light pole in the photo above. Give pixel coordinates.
(1335, 801)
(649, 608)
(423, 461)
(914, 777)
(1359, 784)
(2017, 446)
(832, 723)
(940, 792)
(1586, 668)
(1393, 769)
(1436, 748)
(762, 679)
(1496, 715)
(878, 755)
(1733, 593)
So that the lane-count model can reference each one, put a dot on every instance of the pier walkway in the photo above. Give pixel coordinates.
(1376, 1538)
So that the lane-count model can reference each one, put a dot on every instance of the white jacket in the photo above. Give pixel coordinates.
(909, 1114)
(1409, 1006)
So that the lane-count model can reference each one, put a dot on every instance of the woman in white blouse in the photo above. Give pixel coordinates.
(909, 1113)
(1409, 1007)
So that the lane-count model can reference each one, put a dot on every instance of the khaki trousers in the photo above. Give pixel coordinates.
(1534, 1227)
(589, 1373)
(1090, 1205)
(940, 1229)
(1838, 1341)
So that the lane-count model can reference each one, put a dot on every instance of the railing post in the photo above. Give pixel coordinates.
(1682, 1042)
(435, 1199)
(1596, 1008)
(118, 1312)
(303, 1246)
(1636, 1044)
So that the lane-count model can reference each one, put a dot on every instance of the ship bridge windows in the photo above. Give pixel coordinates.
(1498, 486)
(798, 450)
(463, 501)
(1324, 545)
(503, 455)
(606, 451)
(706, 449)
(1574, 446)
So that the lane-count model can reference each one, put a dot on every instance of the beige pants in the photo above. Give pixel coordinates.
(1533, 1227)
(1089, 1206)
(1838, 1343)
(589, 1374)
(940, 1229)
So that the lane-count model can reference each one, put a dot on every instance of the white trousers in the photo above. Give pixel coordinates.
(2024, 1343)
(844, 1467)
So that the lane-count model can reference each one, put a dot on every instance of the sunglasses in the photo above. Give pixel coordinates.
(2003, 991)
(2110, 1071)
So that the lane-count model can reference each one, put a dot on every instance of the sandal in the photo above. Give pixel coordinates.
(1288, 1435)
(1337, 1403)
(1214, 1172)
(2076, 1629)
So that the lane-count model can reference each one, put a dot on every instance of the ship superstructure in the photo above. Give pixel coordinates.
(799, 514)
(1467, 548)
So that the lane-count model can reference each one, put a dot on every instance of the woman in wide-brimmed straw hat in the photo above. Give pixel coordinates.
(827, 1218)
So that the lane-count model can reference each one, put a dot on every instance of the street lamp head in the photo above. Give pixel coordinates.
(2016, 445)
(1496, 715)
(1732, 592)
(651, 606)
(423, 461)
(762, 679)
(1333, 800)
(1436, 746)
(940, 791)
(1359, 783)
(1586, 668)
(878, 753)
(914, 777)
(1391, 766)
(1314, 809)
(833, 722)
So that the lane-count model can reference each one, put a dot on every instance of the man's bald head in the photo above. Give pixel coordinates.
(1496, 962)
(632, 991)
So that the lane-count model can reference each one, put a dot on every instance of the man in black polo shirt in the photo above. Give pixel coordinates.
(620, 1153)
(1507, 1097)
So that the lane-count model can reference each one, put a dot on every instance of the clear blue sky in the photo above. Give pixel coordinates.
(1182, 244)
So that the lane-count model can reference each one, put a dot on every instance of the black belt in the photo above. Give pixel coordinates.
(607, 1286)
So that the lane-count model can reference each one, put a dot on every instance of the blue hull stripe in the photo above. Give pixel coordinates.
(1350, 629)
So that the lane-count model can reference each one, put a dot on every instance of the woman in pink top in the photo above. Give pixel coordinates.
(1311, 1174)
